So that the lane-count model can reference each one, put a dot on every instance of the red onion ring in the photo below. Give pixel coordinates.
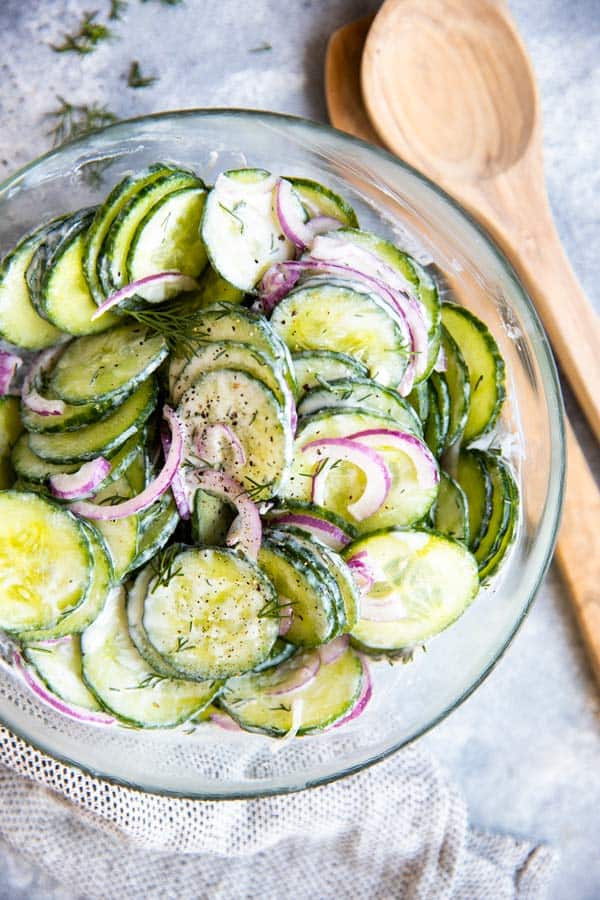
(9, 363)
(362, 574)
(213, 431)
(286, 612)
(246, 529)
(428, 473)
(224, 722)
(152, 492)
(29, 394)
(150, 284)
(178, 488)
(333, 650)
(325, 531)
(81, 483)
(364, 696)
(296, 673)
(379, 479)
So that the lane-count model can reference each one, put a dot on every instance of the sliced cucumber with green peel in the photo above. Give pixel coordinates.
(281, 651)
(362, 394)
(419, 400)
(45, 562)
(251, 410)
(120, 535)
(231, 355)
(102, 576)
(104, 218)
(297, 580)
(215, 289)
(136, 597)
(7, 473)
(240, 228)
(125, 684)
(319, 200)
(451, 510)
(485, 365)
(305, 507)
(322, 315)
(58, 664)
(434, 426)
(107, 366)
(114, 254)
(456, 377)
(503, 518)
(262, 701)
(212, 518)
(440, 398)
(315, 368)
(423, 582)
(102, 438)
(168, 237)
(154, 533)
(31, 467)
(20, 323)
(214, 618)
(71, 419)
(473, 477)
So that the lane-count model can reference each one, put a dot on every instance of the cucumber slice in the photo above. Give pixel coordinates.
(450, 513)
(502, 523)
(297, 578)
(240, 228)
(125, 684)
(252, 702)
(442, 404)
(434, 426)
(322, 315)
(155, 533)
(419, 400)
(485, 365)
(319, 200)
(473, 477)
(58, 664)
(45, 562)
(120, 535)
(32, 468)
(136, 597)
(113, 258)
(168, 237)
(456, 377)
(212, 518)
(427, 579)
(315, 367)
(214, 289)
(101, 438)
(7, 473)
(20, 323)
(65, 298)
(363, 394)
(251, 409)
(102, 574)
(311, 509)
(407, 501)
(216, 617)
(10, 423)
(72, 419)
(107, 366)
(231, 355)
(349, 600)
(104, 218)
(281, 651)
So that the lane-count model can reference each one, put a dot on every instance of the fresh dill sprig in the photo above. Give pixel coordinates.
(261, 48)
(163, 567)
(73, 120)
(135, 79)
(117, 8)
(231, 213)
(166, 2)
(87, 37)
(182, 644)
(256, 490)
(275, 610)
(180, 327)
(151, 680)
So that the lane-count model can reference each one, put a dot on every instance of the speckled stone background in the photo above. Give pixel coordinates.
(526, 747)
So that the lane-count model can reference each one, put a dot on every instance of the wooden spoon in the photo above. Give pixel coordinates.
(449, 88)
(578, 548)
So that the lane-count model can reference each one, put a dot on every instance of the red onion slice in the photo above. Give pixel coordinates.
(364, 696)
(225, 722)
(155, 489)
(9, 363)
(428, 473)
(322, 224)
(296, 673)
(207, 443)
(246, 529)
(325, 531)
(286, 612)
(81, 483)
(289, 213)
(378, 477)
(29, 394)
(41, 691)
(152, 288)
(362, 573)
(178, 488)
(382, 609)
(334, 649)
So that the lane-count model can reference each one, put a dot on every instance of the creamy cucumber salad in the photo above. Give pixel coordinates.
(244, 459)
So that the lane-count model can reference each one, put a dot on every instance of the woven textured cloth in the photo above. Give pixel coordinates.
(396, 830)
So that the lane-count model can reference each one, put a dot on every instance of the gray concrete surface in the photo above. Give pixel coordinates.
(526, 747)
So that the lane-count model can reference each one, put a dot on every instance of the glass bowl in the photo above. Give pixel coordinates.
(393, 199)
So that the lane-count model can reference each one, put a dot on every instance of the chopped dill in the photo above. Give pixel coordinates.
(233, 216)
(73, 120)
(87, 37)
(150, 681)
(183, 643)
(264, 47)
(117, 9)
(135, 79)
(162, 566)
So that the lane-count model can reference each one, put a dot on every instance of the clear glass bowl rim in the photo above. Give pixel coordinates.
(554, 499)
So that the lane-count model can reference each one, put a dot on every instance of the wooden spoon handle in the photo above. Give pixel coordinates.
(578, 547)
(521, 221)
